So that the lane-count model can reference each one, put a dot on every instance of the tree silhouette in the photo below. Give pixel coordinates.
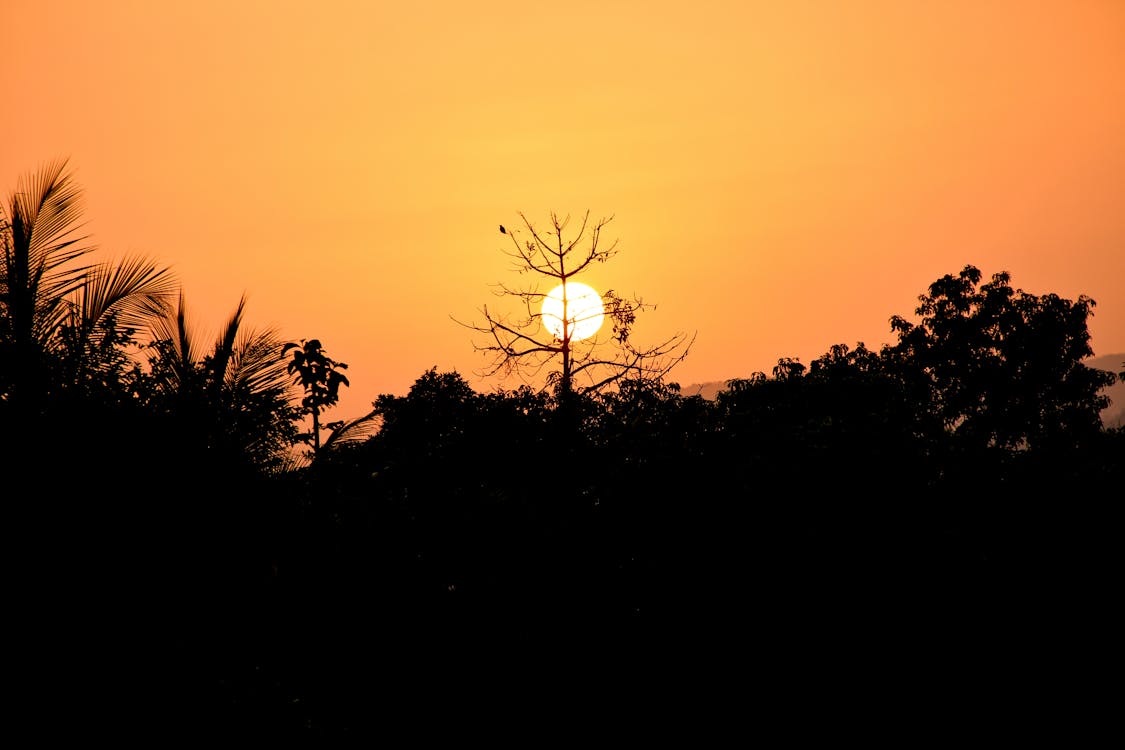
(524, 346)
(62, 322)
(319, 375)
(929, 486)
(231, 398)
(1000, 366)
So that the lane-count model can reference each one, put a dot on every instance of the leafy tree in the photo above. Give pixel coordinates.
(1000, 366)
(771, 431)
(525, 346)
(320, 376)
(643, 425)
(867, 408)
(430, 430)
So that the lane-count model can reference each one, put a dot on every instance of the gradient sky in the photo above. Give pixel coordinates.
(784, 176)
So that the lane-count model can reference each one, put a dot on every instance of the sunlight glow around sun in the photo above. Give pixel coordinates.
(584, 311)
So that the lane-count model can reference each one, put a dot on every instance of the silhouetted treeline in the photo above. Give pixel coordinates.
(945, 501)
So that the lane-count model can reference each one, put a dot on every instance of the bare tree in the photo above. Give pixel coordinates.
(523, 345)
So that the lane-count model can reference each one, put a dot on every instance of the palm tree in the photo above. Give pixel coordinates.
(62, 319)
(234, 396)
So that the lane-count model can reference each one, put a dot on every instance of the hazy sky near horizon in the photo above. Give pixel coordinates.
(783, 176)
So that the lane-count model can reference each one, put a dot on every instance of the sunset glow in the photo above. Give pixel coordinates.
(783, 176)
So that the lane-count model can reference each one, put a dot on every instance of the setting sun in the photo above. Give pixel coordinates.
(579, 304)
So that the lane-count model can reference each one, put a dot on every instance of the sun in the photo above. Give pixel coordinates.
(584, 311)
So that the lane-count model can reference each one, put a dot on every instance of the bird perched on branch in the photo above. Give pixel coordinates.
(503, 230)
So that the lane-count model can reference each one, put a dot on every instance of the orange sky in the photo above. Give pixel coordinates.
(784, 175)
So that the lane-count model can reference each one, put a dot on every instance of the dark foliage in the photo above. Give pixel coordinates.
(940, 508)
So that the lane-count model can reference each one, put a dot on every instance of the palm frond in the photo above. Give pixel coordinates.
(224, 346)
(172, 327)
(46, 209)
(292, 461)
(39, 247)
(257, 364)
(356, 430)
(185, 346)
(134, 288)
